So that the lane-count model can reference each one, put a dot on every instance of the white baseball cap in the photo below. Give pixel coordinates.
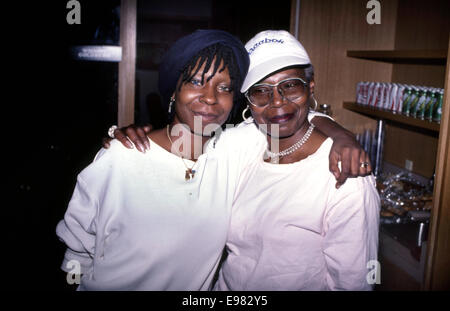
(270, 51)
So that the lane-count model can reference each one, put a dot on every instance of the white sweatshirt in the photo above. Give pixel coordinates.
(291, 229)
(134, 223)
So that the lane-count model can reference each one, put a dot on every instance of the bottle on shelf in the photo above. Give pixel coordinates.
(418, 111)
(428, 113)
(415, 102)
(437, 112)
(407, 98)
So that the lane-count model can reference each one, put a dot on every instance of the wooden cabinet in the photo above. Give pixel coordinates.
(433, 272)
(409, 46)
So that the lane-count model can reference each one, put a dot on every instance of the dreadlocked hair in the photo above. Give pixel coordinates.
(222, 54)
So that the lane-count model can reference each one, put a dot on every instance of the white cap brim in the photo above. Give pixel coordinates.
(274, 64)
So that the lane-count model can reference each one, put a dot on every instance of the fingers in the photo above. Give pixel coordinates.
(120, 136)
(341, 179)
(365, 170)
(137, 137)
(147, 128)
(340, 169)
(346, 166)
(362, 167)
(352, 165)
(355, 162)
(352, 156)
(105, 142)
(131, 136)
(143, 137)
(333, 164)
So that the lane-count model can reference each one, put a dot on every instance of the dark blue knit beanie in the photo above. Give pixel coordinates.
(184, 49)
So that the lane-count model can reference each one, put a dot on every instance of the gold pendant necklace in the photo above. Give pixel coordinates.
(190, 173)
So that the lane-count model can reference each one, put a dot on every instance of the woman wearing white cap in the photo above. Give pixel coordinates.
(291, 229)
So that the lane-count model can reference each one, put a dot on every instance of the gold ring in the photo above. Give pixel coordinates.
(364, 164)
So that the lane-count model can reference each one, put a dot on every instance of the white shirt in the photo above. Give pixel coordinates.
(291, 229)
(134, 223)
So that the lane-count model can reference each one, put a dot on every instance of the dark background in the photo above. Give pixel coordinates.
(59, 109)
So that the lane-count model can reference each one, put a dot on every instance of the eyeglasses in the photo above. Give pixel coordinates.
(292, 89)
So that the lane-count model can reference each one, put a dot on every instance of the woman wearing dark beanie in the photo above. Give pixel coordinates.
(159, 220)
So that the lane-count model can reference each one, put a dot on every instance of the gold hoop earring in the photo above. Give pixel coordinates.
(249, 119)
(316, 105)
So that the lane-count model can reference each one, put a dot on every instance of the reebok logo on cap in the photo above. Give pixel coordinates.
(266, 40)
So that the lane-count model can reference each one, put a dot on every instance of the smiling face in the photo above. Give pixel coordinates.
(210, 101)
(289, 115)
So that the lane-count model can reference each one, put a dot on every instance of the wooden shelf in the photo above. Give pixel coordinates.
(432, 57)
(387, 115)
